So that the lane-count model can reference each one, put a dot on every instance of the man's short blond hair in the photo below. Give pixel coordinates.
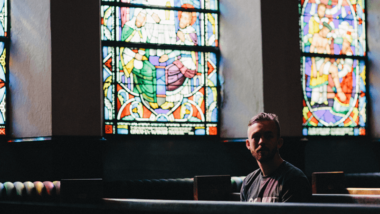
(266, 117)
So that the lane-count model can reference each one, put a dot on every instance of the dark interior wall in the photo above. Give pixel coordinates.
(116, 160)
(53, 159)
(281, 64)
(348, 155)
(154, 158)
(76, 68)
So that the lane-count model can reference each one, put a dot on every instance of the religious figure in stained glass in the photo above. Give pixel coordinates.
(316, 12)
(155, 90)
(164, 81)
(186, 33)
(144, 73)
(316, 21)
(185, 64)
(322, 67)
(334, 86)
(163, 26)
(135, 60)
(168, 3)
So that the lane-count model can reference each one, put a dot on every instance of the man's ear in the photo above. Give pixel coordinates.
(280, 143)
(247, 144)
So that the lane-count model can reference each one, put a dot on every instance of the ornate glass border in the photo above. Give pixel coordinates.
(334, 67)
(155, 83)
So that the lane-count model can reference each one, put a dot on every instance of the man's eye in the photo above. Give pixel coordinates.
(268, 135)
(255, 137)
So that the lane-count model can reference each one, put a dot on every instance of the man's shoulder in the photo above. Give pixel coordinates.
(254, 173)
(252, 176)
(247, 183)
(295, 185)
(291, 171)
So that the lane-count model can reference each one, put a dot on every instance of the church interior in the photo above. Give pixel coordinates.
(55, 125)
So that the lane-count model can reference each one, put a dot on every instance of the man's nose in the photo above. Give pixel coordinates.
(261, 140)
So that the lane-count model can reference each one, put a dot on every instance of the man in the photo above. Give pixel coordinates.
(276, 180)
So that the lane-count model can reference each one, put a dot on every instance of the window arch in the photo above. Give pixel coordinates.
(160, 67)
(333, 67)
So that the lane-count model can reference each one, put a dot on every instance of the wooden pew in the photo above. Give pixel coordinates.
(363, 191)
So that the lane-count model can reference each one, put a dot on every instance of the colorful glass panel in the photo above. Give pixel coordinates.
(211, 4)
(211, 29)
(4, 44)
(212, 129)
(2, 86)
(159, 86)
(333, 65)
(212, 104)
(334, 96)
(154, 89)
(3, 18)
(109, 82)
(107, 22)
(337, 24)
(211, 69)
(197, 4)
(169, 27)
(109, 128)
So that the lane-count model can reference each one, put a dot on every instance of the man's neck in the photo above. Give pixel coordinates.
(268, 167)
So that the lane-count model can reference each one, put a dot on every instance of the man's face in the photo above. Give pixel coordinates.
(263, 141)
(185, 19)
(321, 11)
(140, 20)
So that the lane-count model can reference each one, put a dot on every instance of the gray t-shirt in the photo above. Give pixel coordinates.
(286, 184)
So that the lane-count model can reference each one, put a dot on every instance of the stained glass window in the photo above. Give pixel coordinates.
(4, 65)
(333, 67)
(160, 67)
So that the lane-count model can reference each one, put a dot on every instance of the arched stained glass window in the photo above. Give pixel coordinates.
(333, 67)
(4, 65)
(160, 67)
